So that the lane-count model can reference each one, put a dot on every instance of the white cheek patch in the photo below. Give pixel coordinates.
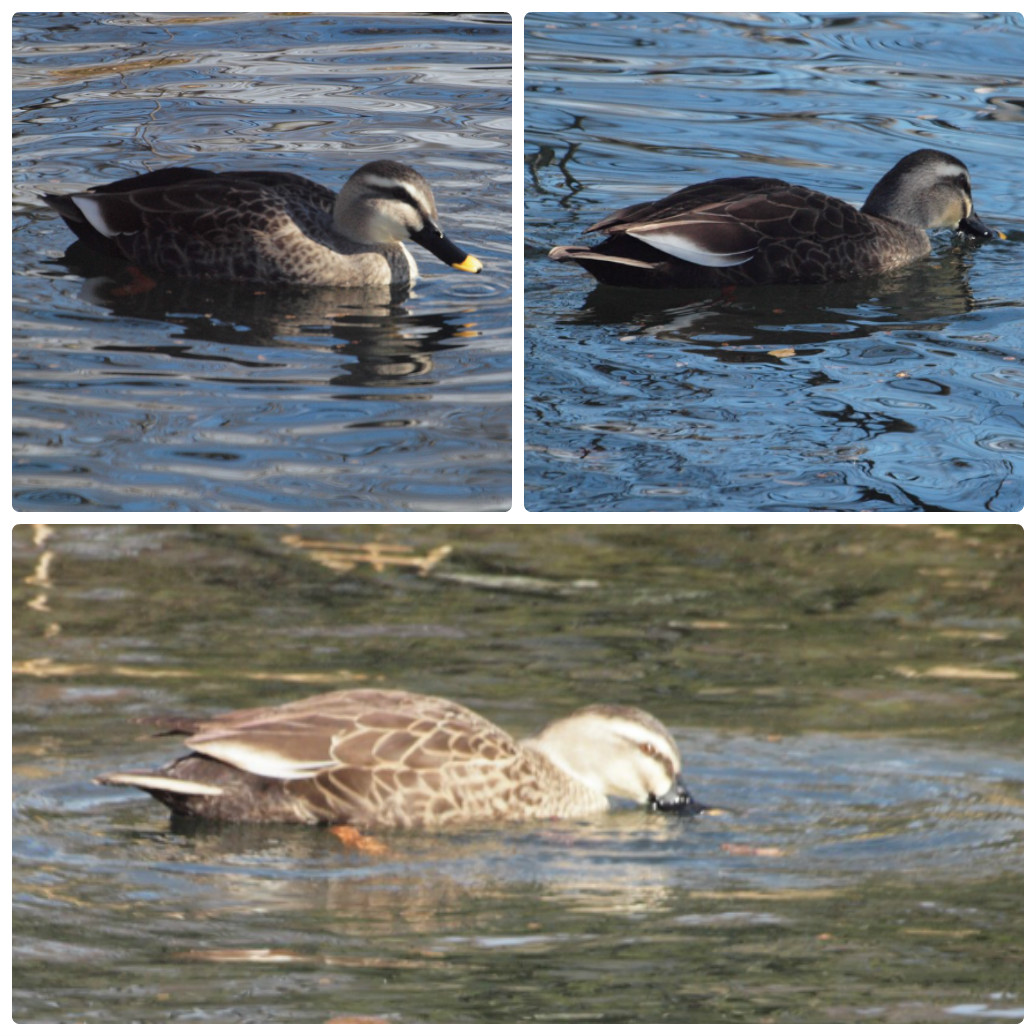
(680, 246)
(957, 209)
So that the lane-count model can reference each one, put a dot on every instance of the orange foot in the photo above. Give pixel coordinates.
(352, 839)
(139, 284)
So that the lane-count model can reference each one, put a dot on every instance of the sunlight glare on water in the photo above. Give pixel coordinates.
(852, 709)
(901, 392)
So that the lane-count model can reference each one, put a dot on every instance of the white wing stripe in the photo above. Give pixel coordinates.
(677, 245)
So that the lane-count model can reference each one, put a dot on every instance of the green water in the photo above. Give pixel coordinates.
(851, 695)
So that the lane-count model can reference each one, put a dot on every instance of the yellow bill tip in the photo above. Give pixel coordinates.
(469, 264)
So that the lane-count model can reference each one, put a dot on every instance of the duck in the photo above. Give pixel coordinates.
(375, 759)
(751, 230)
(266, 227)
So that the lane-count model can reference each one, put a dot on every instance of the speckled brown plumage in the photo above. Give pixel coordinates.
(384, 759)
(266, 227)
(750, 230)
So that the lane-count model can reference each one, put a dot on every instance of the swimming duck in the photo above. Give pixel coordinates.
(264, 226)
(392, 759)
(750, 230)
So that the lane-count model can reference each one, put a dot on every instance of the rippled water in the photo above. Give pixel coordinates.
(854, 705)
(202, 397)
(896, 393)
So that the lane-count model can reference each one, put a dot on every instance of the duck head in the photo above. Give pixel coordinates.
(621, 752)
(385, 202)
(928, 189)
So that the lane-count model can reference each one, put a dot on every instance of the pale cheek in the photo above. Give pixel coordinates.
(954, 213)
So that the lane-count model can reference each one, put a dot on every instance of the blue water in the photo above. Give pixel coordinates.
(902, 393)
(201, 397)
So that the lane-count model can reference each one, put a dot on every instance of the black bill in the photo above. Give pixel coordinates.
(432, 238)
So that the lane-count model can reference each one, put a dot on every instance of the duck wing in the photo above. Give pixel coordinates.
(182, 221)
(688, 200)
(76, 221)
(371, 758)
(360, 729)
(716, 224)
(739, 230)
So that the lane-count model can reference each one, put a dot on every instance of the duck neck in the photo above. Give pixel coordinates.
(580, 797)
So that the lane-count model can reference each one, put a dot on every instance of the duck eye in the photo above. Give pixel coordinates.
(653, 752)
(403, 195)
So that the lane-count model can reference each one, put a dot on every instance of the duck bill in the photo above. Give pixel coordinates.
(974, 227)
(432, 238)
(676, 800)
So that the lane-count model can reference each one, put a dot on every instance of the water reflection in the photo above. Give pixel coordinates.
(633, 105)
(855, 704)
(849, 312)
(115, 386)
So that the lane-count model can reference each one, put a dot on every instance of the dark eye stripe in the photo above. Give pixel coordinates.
(649, 749)
(389, 189)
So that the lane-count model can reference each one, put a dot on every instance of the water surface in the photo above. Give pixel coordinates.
(901, 392)
(199, 396)
(851, 696)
